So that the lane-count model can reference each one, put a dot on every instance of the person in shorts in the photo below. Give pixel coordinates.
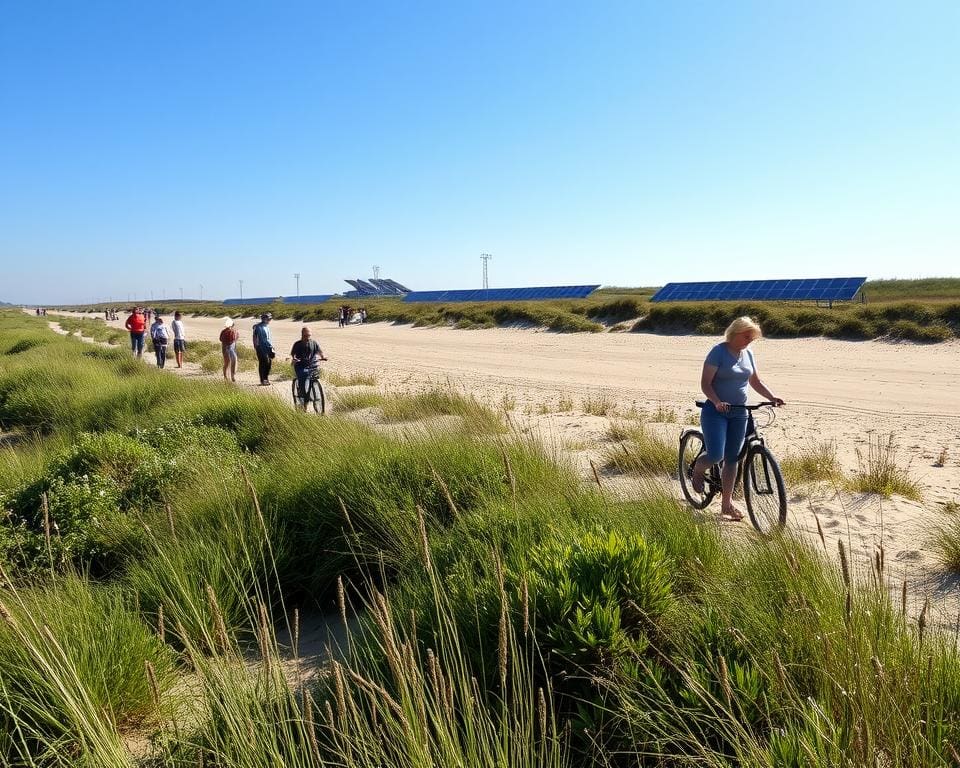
(179, 338)
(137, 325)
(228, 345)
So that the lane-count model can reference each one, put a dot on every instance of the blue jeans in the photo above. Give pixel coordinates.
(136, 342)
(723, 433)
(303, 374)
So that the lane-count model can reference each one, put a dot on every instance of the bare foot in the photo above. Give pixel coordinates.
(732, 514)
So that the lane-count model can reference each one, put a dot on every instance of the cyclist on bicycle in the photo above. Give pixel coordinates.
(307, 356)
(728, 369)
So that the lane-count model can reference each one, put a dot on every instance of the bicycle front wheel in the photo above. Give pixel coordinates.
(295, 393)
(691, 447)
(316, 396)
(764, 490)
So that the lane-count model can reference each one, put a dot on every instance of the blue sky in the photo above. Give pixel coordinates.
(154, 146)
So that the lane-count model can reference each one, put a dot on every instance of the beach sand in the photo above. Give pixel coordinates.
(842, 392)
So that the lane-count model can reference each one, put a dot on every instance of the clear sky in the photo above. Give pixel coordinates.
(158, 146)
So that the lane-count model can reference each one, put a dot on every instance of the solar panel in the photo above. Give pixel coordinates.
(504, 294)
(316, 299)
(822, 289)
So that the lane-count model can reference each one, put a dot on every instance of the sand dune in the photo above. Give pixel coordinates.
(844, 392)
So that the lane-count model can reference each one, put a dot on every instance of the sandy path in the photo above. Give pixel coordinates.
(844, 392)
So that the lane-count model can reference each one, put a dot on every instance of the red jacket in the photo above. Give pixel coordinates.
(136, 323)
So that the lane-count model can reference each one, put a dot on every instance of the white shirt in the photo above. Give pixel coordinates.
(178, 332)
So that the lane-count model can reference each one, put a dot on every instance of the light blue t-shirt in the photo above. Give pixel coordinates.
(262, 338)
(733, 373)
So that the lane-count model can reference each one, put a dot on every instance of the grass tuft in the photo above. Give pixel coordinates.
(879, 472)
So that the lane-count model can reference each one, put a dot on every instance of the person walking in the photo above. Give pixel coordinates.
(137, 325)
(263, 345)
(340, 316)
(228, 346)
(179, 338)
(160, 339)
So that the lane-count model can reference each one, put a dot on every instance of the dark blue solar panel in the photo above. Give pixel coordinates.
(822, 289)
(504, 294)
(316, 299)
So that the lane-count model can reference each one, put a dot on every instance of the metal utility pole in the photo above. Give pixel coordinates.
(486, 258)
(241, 289)
(296, 276)
(376, 272)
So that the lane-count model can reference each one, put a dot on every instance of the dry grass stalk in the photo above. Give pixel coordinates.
(173, 528)
(339, 689)
(342, 601)
(725, 680)
(161, 624)
(502, 646)
(295, 632)
(424, 540)
(903, 600)
(542, 712)
(941, 461)
(877, 667)
(844, 565)
(922, 620)
(596, 475)
(823, 538)
(220, 626)
(446, 492)
(309, 725)
(154, 686)
(780, 670)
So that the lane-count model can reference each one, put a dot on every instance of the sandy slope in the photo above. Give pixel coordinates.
(838, 391)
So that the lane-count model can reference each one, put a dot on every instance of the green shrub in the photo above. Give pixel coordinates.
(73, 662)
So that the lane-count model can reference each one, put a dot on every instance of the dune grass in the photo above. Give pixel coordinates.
(639, 451)
(880, 471)
(946, 536)
(498, 610)
(817, 463)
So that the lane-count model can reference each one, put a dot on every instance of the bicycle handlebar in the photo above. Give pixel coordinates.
(764, 404)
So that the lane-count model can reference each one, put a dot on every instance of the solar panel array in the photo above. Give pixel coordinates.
(375, 287)
(822, 289)
(316, 299)
(504, 294)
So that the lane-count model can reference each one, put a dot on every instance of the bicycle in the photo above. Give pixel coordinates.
(763, 486)
(314, 395)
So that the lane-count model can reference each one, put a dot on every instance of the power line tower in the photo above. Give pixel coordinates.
(485, 257)
(296, 276)
(376, 271)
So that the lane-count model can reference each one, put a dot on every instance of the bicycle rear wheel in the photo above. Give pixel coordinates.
(316, 396)
(691, 447)
(764, 490)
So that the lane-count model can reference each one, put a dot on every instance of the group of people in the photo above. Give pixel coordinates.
(41, 312)
(136, 324)
(728, 370)
(347, 315)
(109, 314)
(306, 353)
(262, 345)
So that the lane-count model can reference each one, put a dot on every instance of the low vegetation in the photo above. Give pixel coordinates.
(881, 472)
(946, 536)
(494, 609)
(638, 450)
(817, 463)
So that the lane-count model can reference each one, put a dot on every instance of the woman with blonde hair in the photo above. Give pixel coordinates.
(730, 366)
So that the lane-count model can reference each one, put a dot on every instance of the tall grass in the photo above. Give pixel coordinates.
(880, 471)
(496, 611)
